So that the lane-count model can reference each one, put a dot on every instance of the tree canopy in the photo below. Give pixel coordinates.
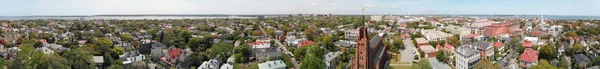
(543, 64)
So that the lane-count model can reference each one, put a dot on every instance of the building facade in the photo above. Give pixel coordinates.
(466, 57)
(370, 53)
(499, 29)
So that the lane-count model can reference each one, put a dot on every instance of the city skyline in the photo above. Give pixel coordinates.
(396, 7)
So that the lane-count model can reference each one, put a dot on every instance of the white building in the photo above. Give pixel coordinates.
(351, 34)
(434, 35)
(377, 18)
(466, 57)
(461, 31)
(330, 59)
(210, 64)
(277, 64)
(555, 30)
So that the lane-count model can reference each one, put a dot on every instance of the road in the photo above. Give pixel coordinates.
(282, 47)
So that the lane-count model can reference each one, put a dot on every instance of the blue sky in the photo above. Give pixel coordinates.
(96, 7)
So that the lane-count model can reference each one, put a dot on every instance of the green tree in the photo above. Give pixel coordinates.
(126, 37)
(454, 40)
(328, 43)
(288, 60)
(139, 65)
(564, 63)
(548, 52)
(422, 64)
(496, 53)
(486, 64)
(543, 64)
(316, 51)
(398, 44)
(441, 56)
(116, 66)
(198, 44)
(186, 35)
(28, 58)
(45, 36)
(220, 49)
(577, 47)
(79, 59)
(243, 53)
(108, 60)
(54, 61)
(105, 42)
(312, 62)
(299, 53)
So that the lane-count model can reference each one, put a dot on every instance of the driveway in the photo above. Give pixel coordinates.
(407, 55)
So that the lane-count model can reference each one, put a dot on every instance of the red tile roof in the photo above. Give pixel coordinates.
(537, 33)
(438, 46)
(498, 44)
(175, 53)
(165, 59)
(305, 43)
(529, 55)
(403, 25)
(448, 46)
(472, 35)
(527, 44)
(256, 43)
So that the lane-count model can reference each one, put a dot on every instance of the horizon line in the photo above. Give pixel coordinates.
(264, 14)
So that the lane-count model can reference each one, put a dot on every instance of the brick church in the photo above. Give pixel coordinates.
(370, 52)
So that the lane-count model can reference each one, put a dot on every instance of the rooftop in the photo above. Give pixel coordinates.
(272, 65)
(466, 51)
(529, 55)
(428, 49)
(421, 40)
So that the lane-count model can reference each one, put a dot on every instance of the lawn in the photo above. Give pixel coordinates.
(395, 59)
(401, 67)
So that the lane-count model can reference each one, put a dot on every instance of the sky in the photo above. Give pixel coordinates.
(400, 7)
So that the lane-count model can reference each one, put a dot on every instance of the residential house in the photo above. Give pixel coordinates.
(486, 48)
(351, 34)
(581, 59)
(555, 31)
(499, 46)
(528, 57)
(331, 59)
(466, 57)
(210, 64)
(277, 64)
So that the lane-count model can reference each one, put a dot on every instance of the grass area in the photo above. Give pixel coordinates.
(401, 67)
(246, 66)
(395, 59)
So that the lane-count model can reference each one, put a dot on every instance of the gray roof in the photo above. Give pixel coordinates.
(277, 64)
(466, 51)
(580, 58)
(435, 64)
(374, 41)
(482, 45)
(266, 52)
(332, 55)
(341, 43)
